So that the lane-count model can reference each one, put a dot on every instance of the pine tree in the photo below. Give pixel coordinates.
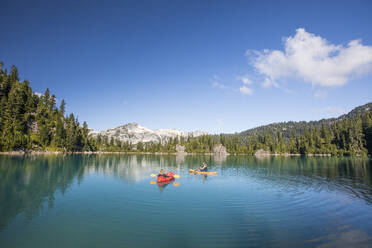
(14, 133)
(62, 108)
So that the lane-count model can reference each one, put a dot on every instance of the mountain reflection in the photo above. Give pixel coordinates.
(27, 184)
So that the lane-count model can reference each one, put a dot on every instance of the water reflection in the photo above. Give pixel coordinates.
(28, 184)
(132, 168)
(219, 159)
(163, 185)
(343, 237)
(350, 175)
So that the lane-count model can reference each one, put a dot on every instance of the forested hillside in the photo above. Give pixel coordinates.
(342, 136)
(291, 127)
(30, 121)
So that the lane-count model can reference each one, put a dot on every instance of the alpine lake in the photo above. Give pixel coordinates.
(110, 200)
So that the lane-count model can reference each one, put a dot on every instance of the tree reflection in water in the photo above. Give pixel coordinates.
(29, 183)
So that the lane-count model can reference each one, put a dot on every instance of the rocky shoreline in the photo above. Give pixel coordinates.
(266, 154)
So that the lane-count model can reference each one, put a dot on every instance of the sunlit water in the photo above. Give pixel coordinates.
(109, 201)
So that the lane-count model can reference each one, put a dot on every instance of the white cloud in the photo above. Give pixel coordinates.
(269, 82)
(245, 90)
(244, 79)
(313, 59)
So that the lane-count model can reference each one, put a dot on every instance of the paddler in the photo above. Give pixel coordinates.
(162, 174)
(204, 167)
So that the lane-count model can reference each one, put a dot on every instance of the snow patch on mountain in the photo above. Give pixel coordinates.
(134, 133)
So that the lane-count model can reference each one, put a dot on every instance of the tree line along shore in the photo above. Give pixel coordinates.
(32, 122)
(257, 154)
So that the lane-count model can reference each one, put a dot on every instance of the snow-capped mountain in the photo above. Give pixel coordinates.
(134, 133)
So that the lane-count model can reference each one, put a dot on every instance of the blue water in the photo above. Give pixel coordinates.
(111, 201)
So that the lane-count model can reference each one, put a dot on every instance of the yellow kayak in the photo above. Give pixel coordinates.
(203, 172)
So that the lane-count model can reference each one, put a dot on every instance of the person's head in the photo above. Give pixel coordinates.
(161, 171)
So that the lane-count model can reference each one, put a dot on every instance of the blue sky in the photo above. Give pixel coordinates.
(216, 66)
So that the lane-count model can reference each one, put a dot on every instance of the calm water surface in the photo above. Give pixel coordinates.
(110, 201)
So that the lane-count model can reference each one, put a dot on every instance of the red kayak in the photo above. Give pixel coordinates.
(165, 183)
(170, 176)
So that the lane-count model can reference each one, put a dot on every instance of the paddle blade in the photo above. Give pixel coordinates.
(176, 176)
(152, 182)
(176, 184)
(152, 175)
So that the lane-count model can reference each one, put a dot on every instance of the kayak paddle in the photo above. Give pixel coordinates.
(175, 176)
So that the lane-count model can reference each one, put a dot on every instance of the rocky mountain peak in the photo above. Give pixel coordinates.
(134, 133)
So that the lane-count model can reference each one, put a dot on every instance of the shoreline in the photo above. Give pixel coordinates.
(21, 153)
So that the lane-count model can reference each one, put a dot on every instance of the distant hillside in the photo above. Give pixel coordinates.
(287, 128)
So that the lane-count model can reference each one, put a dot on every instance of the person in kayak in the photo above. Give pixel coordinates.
(162, 174)
(204, 167)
